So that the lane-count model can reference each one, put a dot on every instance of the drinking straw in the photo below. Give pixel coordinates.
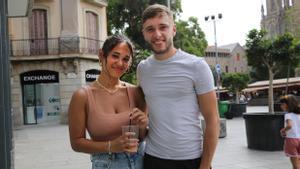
(130, 121)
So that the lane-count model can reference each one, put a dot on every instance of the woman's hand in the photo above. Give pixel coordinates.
(124, 143)
(139, 118)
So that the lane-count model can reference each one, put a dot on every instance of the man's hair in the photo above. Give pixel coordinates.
(155, 10)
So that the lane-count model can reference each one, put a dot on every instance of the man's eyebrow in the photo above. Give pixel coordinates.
(161, 24)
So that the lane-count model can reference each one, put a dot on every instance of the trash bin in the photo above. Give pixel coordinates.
(223, 108)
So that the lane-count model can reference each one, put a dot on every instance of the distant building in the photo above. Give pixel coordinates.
(281, 16)
(53, 52)
(231, 57)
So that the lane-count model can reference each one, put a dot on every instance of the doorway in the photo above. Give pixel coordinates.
(41, 103)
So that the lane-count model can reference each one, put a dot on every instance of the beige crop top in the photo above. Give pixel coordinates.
(103, 119)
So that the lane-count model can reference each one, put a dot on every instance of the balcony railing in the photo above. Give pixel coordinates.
(55, 46)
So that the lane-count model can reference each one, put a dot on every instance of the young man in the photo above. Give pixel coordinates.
(177, 87)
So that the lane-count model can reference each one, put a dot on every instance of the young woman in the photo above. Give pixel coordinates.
(291, 131)
(104, 106)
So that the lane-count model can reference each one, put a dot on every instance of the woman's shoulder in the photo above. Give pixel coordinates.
(290, 115)
(131, 86)
(82, 91)
(136, 90)
(128, 84)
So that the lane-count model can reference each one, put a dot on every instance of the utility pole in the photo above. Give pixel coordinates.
(5, 105)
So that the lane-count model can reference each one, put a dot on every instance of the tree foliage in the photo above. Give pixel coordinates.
(272, 54)
(190, 37)
(274, 51)
(130, 76)
(235, 82)
(261, 73)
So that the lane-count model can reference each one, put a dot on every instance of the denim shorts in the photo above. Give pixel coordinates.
(119, 160)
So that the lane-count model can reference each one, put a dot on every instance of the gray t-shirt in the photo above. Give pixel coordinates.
(171, 87)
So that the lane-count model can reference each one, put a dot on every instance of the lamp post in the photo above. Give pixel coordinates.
(217, 65)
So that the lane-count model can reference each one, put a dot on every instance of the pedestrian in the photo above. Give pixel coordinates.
(291, 131)
(105, 105)
(177, 86)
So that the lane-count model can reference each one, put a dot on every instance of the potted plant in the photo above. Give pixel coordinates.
(235, 83)
(262, 129)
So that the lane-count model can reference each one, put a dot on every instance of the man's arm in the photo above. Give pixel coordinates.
(208, 107)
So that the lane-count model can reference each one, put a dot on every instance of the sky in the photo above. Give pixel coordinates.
(239, 17)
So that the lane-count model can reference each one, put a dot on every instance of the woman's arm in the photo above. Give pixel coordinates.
(77, 126)
(288, 126)
(140, 115)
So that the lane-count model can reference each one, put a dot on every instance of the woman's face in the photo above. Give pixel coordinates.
(118, 60)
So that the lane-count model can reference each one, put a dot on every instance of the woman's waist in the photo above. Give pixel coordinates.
(103, 132)
(120, 155)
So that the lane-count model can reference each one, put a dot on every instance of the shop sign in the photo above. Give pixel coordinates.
(91, 75)
(39, 76)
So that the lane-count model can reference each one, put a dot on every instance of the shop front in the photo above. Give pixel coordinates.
(40, 97)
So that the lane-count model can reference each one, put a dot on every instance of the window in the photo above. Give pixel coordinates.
(237, 57)
(38, 32)
(92, 32)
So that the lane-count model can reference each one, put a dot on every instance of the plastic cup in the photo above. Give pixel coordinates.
(134, 130)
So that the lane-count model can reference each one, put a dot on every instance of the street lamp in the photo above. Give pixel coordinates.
(217, 65)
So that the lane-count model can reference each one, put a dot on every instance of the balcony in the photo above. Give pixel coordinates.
(23, 48)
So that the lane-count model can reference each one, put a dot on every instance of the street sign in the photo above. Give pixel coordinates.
(218, 68)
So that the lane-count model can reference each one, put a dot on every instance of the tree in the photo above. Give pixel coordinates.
(261, 72)
(190, 37)
(235, 82)
(273, 54)
(130, 76)
(125, 16)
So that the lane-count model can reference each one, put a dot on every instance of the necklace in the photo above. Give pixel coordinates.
(106, 89)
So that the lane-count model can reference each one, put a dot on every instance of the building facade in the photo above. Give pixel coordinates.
(281, 16)
(53, 53)
(232, 58)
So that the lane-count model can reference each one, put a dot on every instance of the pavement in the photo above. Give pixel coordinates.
(48, 147)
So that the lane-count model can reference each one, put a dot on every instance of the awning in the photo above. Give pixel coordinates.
(267, 87)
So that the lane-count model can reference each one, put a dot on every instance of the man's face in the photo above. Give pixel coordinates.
(159, 32)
